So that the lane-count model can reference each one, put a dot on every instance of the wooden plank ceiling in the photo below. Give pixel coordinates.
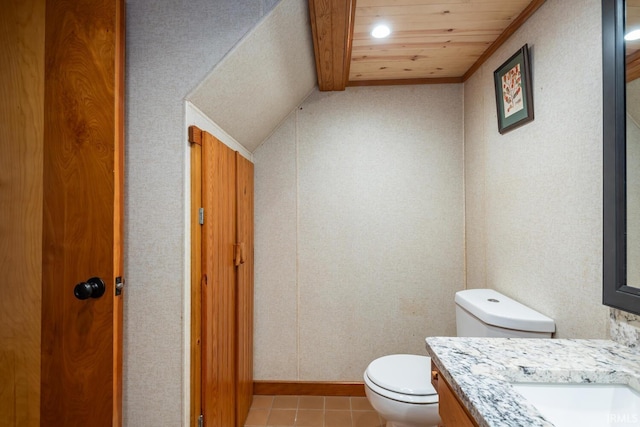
(432, 41)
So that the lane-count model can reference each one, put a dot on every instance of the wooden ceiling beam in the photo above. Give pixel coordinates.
(332, 31)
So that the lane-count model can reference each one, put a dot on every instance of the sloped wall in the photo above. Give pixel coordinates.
(263, 78)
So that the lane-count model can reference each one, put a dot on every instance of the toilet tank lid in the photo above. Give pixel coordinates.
(501, 311)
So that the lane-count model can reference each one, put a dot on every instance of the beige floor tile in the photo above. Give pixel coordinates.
(311, 402)
(312, 411)
(360, 404)
(285, 402)
(310, 418)
(282, 417)
(257, 417)
(366, 419)
(337, 402)
(262, 402)
(337, 419)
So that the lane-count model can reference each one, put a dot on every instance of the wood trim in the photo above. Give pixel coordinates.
(502, 38)
(633, 66)
(308, 388)
(118, 212)
(332, 33)
(196, 275)
(195, 135)
(394, 82)
(349, 47)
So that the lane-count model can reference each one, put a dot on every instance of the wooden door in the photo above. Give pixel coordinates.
(218, 291)
(244, 279)
(222, 282)
(82, 212)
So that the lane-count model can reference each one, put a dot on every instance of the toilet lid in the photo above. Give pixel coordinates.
(402, 373)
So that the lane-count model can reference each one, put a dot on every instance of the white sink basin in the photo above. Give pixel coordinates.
(584, 405)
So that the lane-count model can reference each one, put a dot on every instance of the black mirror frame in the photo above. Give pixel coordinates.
(615, 291)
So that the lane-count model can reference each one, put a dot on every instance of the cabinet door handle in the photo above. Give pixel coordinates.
(238, 254)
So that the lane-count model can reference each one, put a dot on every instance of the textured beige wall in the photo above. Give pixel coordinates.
(534, 195)
(171, 47)
(359, 230)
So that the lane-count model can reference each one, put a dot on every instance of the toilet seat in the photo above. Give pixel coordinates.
(402, 377)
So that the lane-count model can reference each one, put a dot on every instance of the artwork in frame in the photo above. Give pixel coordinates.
(514, 96)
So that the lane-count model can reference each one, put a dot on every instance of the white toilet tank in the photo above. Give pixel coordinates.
(487, 313)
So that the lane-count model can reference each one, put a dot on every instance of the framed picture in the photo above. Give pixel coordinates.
(514, 96)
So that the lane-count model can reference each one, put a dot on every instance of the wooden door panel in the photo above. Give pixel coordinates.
(244, 278)
(218, 293)
(222, 288)
(83, 145)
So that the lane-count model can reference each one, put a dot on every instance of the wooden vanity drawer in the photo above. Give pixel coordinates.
(452, 412)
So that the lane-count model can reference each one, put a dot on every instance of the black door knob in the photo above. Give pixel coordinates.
(92, 288)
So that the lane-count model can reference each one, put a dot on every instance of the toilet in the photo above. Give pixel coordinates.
(399, 387)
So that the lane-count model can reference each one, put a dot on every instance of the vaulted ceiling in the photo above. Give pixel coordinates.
(432, 41)
(271, 70)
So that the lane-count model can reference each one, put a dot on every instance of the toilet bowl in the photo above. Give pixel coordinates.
(399, 387)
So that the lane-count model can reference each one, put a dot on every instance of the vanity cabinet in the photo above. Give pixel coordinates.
(452, 412)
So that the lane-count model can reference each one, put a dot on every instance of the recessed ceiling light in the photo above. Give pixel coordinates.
(632, 35)
(381, 31)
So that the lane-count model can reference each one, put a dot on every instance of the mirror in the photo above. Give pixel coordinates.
(621, 156)
(632, 72)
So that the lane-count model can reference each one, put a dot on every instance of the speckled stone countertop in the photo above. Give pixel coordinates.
(481, 370)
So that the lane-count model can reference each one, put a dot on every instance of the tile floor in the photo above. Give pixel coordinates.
(312, 411)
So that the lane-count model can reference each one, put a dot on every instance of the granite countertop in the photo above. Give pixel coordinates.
(480, 371)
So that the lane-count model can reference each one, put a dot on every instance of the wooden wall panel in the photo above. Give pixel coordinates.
(219, 293)
(244, 277)
(21, 145)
